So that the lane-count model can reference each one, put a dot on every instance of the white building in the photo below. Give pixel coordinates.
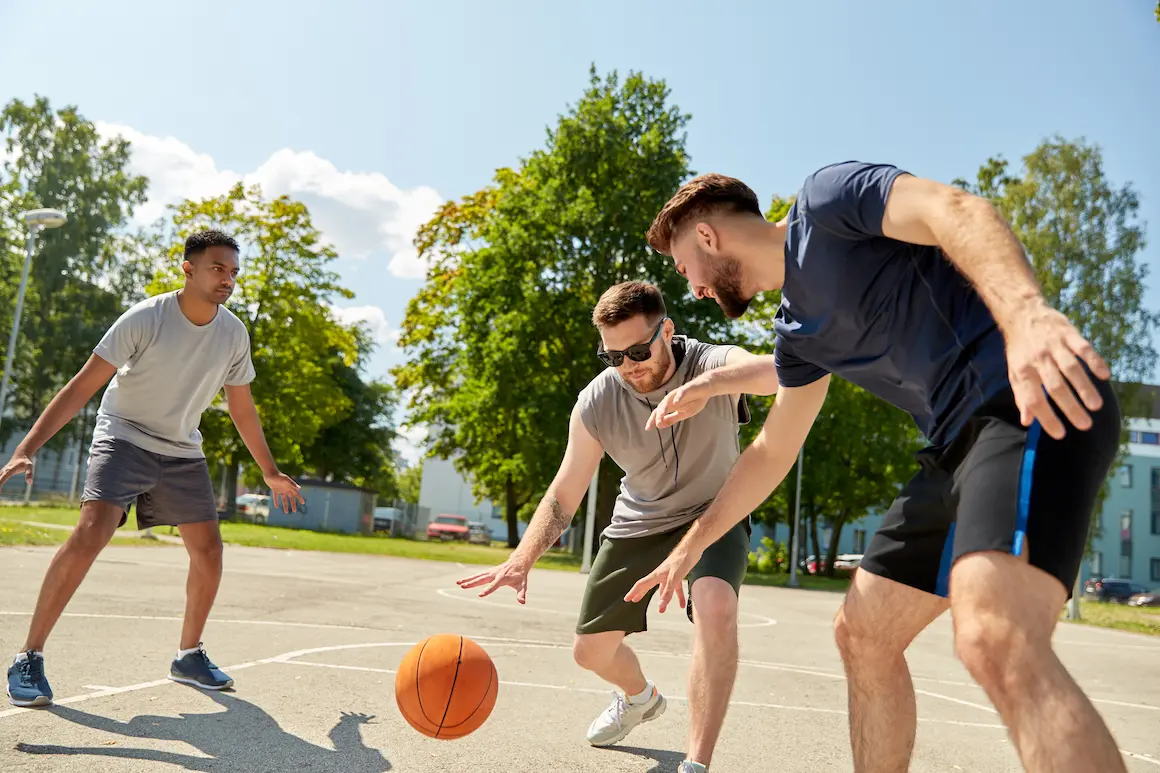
(444, 491)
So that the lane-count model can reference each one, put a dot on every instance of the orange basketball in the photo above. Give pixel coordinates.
(446, 686)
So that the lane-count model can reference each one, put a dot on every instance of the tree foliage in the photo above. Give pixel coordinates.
(84, 272)
(499, 340)
(1082, 235)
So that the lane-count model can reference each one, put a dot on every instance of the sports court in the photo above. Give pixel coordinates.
(311, 640)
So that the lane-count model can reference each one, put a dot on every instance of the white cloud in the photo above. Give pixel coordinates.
(409, 444)
(360, 213)
(372, 318)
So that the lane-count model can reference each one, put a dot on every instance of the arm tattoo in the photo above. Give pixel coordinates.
(548, 523)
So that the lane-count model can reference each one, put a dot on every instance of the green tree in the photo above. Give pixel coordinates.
(356, 448)
(283, 296)
(84, 273)
(1082, 234)
(410, 480)
(499, 341)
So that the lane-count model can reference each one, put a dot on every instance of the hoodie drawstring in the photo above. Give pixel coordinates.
(661, 442)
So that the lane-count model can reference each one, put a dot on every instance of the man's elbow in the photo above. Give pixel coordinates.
(769, 379)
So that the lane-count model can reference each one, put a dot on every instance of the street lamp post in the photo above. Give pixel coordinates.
(36, 220)
(797, 509)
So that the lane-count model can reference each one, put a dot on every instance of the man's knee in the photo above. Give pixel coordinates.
(592, 651)
(1004, 614)
(97, 524)
(859, 638)
(714, 606)
(880, 618)
(203, 541)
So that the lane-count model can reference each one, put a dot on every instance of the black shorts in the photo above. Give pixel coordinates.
(999, 486)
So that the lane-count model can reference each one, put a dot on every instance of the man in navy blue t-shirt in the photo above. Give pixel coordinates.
(921, 294)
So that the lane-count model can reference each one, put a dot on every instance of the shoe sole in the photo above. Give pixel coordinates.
(195, 683)
(648, 716)
(35, 703)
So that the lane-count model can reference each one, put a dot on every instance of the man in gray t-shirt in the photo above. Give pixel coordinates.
(671, 475)
(167, 358)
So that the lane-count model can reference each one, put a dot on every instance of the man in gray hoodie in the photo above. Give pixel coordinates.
(671, 477)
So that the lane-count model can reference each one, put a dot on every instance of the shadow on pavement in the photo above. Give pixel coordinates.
(241, 738)
(666, 761)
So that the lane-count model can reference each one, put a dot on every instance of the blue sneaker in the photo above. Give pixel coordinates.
(198, 670)
(27, 686)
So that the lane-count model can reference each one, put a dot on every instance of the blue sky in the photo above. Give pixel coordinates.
(373, 112)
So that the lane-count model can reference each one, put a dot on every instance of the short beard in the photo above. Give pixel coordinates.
(727, 288)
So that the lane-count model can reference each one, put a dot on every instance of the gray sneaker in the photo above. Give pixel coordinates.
(618, 720)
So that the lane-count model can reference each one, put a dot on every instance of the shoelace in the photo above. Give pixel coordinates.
(618, 708)
(32, 668)
(203, 657)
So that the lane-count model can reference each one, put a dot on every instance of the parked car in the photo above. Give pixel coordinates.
(847, 562)
(448, 527)
(1149, 598)
(254, 507)
(478, 533)
(1112, 589)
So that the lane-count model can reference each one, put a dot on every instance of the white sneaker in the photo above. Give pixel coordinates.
(621, 717)
(692, 767)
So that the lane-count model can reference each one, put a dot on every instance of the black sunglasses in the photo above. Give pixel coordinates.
(636, 352)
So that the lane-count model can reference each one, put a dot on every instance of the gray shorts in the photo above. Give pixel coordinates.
(168, 490)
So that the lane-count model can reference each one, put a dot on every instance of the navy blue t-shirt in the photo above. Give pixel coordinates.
(897, 319)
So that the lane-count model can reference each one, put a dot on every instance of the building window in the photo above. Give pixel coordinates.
(1126, 476)
(1156, 570)
(1126, 544)
(1097, 564)
(1133, 436)
(859, 540)
(1150, 438)
(1156, 500)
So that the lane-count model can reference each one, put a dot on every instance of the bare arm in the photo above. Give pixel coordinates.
(556, 508)
(244, 414)
(763, 465)
(742, 373)
(286, 492)
(1045, 352)
(761, 468)
(95, 373)
(974, 237)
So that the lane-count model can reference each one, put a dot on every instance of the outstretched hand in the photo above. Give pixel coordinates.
(1046, 353)
(510, 573)
(667, 578)
(287, 494)
(19, 463)
(682, 403)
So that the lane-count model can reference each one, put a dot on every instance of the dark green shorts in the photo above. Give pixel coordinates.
(620, 563)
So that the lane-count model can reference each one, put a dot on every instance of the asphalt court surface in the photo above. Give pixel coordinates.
(312, 640)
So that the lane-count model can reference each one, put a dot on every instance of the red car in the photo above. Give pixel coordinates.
(448, 527)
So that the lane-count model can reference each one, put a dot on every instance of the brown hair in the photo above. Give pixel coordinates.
(626, 300)
(699, 197)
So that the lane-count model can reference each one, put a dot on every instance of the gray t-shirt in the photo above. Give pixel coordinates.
(671, 475)
(168, 372)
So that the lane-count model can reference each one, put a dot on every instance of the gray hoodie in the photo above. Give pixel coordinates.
(671, 475)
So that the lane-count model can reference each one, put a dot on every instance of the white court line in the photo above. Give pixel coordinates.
(445, 593)
(569, 688)
(788, 667)
(290, 659)
(90, 615)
